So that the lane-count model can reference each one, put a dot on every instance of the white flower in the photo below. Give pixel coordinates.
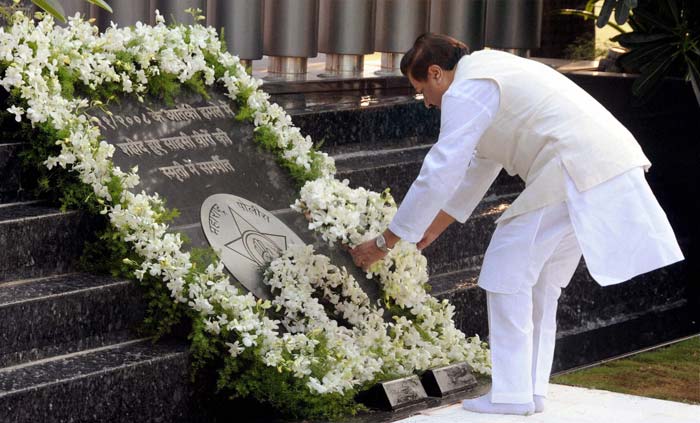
(234, 349)
(353, 354)
(17, 111)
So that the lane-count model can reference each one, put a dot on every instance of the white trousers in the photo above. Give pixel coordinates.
(540, 249)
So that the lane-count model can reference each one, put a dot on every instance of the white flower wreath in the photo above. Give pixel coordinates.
(361, 351)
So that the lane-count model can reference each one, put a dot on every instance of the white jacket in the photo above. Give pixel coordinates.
(545, 121)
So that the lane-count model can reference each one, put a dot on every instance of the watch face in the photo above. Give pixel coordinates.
(380, 242)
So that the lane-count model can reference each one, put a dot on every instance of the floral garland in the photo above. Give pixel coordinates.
(331, 358)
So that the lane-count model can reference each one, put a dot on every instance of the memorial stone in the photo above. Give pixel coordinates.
(394, 394)
(194, 148)
(446, 380)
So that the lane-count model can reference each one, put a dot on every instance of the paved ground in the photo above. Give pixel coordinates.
(568, 404)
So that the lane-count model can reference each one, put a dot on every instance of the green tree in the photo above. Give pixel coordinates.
(54, 7)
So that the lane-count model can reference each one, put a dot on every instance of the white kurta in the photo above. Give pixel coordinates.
(619, 225)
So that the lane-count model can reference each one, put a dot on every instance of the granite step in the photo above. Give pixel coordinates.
(650, 309)
(459, 287)
(368, 118)
(459, 246)
(136, 381)
(38, 241)
(396, 166)
(63, 314)
(10, 168)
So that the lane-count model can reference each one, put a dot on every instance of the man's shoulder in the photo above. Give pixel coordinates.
(472, 88)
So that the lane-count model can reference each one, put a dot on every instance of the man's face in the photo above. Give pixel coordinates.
(432, 88)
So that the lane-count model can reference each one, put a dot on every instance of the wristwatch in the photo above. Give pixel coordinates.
(380, 242)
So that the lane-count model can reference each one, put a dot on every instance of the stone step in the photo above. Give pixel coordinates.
(654, 306)
(136, 381)
(38, 241)
(354, 117)
(64, 314)
(10, 167)
(461, 244)
(397, 166)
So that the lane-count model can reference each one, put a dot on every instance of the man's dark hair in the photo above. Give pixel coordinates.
(432, 49)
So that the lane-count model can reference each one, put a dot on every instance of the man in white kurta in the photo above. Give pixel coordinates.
(585, 195)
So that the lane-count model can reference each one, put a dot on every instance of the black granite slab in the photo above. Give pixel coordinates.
(461, 245)
(59, 315)
(137, 381)
(442, 381)
(594, 322)
(644, 330)
(40, 241)
(358, 117)
(192, 149)
(10, 167)
(396, 165)
(394, 394)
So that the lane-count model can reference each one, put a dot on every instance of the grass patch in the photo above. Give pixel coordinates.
(669, 373)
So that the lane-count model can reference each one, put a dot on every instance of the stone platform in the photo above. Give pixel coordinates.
(69, 350)
(567, 404)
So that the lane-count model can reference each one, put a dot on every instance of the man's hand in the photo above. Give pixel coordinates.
(367, 253)
(440, 223)
(428, 238)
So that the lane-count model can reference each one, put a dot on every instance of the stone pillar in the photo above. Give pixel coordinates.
(242, 22)
(462, 19)
(125, 13)
(174, 10)
(346, 34)
(290, 35)
(398, 24)
(514, 25)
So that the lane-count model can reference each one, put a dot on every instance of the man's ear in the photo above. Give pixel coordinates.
(434, 71)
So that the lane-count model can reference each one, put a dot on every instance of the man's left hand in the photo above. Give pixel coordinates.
(366, 254)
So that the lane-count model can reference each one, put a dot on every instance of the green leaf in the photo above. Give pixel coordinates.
(102, 4)
(590, 6)
(631, 3)
(640, 57)
(694, 76)
(637, 39)
(622, 11)
(649, 18)
(605, 13)
(651, 75)
(53, 7)
(673, 8)
(586, 15)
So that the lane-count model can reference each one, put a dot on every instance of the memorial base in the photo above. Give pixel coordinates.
(394, 394)
(446, 380)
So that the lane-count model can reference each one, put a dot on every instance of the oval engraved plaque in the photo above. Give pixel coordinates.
(246, 237)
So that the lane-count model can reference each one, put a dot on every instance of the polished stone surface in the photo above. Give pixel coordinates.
(58, 315)
(394, 394)
(40, 241)
(569, 404)
(443, 381)
(246, 238)
(354, 118)
(10, 188)
(378, 133)
(193, 149)
(134, 381)
(594, 323)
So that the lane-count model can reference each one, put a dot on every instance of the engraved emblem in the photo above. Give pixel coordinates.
(246, 237)
(256, 246)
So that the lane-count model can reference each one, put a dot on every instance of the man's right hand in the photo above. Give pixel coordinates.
(440, 223)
